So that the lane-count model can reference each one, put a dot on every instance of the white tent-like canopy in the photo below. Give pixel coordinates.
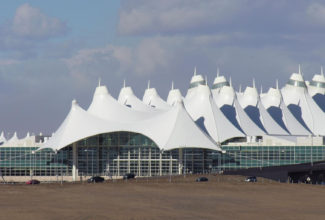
(152, 99)
(127, 97)
(2, 138)
(200, 105)
(250, 101)
(317, 85)
(225, 97)
(274, 104)
(105, 106)
(165, 129)
(302, 105)
(14, 140)
(316, 89)
(174, 96)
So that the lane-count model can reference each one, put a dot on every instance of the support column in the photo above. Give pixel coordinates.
(160, 163)
(139, 162)
(180, 161)
(170, 164)
(129, 161)
(118, 164)
(74, 162)
(149, 165)
(203, 161)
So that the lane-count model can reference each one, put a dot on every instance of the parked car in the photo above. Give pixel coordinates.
(202, 179)
(95, 179)
(32, 182)
(251, 179)
(129, 176)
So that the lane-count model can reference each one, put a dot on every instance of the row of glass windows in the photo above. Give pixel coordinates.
(125, 152)
(264, 156)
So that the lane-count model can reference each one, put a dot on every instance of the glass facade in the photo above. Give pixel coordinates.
(27, 161)
(111, 154)
(118, 153)
(237, 157)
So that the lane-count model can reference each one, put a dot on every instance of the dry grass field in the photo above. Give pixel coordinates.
(223, 197)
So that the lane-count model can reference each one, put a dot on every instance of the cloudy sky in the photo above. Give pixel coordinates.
(54, 51)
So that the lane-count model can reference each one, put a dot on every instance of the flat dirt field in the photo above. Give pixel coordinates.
(222, 197)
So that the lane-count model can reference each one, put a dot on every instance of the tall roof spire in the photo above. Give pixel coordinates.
(254, 83)
(195, 71)
(277, 84)
(124, 83)
(206, 80)
(148, 84)
(239, 90)
(261, 89)
(321, 71)
(218, 72)
(230, 82)
(172, 85)
(99, 81)
(299, 70)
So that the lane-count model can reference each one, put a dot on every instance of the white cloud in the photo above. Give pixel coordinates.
(176, 15)
(31, 22)
(144, 59)
(316, 12)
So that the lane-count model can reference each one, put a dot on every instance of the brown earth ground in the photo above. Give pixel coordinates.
(222, 197)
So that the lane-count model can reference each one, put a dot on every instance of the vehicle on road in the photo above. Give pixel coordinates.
(202, 179)
(32, 182)
(252, 179)
(95, 179)
(129, 176)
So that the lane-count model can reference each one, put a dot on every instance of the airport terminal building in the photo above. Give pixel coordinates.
(208, 130)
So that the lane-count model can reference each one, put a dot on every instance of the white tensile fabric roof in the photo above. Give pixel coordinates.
(127, 97)
(107, 107)
(224, 96)
(169, 130)
(273, 101)
(152, 98)
(13, 140)
(317, 85)
(302, 106)
(316, 89)
(2, 138)
(208, 116)
(174, 96)
(250, 101)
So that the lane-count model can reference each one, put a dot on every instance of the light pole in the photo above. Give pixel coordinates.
(184, 162)
(56, 165)
(92, 162)
(33, 156)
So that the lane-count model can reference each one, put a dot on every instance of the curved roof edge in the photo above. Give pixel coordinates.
(166, 130)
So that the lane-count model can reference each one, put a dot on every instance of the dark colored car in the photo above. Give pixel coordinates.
(129, 176)
(251, 179)
(32, 182)
(202, 179)
(95, 179)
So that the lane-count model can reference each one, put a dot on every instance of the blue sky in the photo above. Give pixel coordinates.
(54, 51)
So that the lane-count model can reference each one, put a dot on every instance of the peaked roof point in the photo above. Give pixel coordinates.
(299, 69)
